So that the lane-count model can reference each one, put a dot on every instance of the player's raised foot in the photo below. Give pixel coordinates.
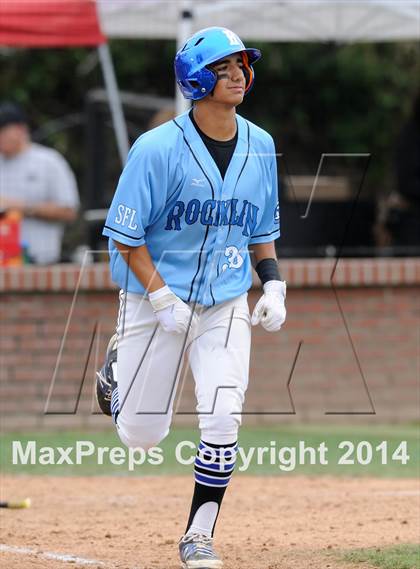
(105, 381)
(196, 552)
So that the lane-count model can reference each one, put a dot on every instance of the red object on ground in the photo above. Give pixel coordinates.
(49, 23)
(10, 246)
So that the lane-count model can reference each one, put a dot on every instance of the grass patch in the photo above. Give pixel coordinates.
(271, 439)
(399, 557)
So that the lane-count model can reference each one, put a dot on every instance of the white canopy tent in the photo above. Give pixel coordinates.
(267, 20)
(264, 20)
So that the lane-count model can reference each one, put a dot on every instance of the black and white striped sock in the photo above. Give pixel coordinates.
(213, 468)
(115, 404)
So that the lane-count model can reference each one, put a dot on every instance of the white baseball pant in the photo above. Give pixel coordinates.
(149, 364)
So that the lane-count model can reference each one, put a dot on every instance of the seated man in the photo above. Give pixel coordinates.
(38, 182)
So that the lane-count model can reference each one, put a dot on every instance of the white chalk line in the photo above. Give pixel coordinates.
(50, 555)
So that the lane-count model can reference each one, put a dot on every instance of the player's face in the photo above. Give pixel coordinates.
(12, 137)
(230, 86)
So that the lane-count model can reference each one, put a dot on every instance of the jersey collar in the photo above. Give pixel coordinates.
(205, 160)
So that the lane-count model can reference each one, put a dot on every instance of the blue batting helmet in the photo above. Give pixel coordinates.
(206, 46)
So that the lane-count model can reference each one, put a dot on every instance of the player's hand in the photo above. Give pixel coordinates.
(172, 313)
(270, 310)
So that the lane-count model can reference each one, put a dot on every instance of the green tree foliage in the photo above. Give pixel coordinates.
(336, 98)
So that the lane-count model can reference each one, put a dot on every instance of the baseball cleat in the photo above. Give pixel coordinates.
(105, 383)
(196, 552)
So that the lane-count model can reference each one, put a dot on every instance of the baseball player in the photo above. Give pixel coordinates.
(195, 195)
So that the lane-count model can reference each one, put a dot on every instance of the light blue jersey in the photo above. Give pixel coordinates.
(197, 226)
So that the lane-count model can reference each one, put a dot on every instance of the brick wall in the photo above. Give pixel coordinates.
(346, 352)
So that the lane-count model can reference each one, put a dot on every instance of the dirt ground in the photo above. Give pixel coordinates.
(266, 523)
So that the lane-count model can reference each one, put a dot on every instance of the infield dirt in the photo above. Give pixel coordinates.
(265, 523)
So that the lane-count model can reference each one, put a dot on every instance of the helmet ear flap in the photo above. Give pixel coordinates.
(213, 72)
(215, 77)
(203, 82)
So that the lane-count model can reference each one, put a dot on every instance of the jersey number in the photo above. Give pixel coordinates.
(234, 258)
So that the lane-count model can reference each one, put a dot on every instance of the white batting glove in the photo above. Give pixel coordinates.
(171, 312)
(270, 310)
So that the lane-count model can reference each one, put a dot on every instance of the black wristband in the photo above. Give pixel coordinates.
(268, 270)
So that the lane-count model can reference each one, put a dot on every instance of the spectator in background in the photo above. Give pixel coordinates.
(399, 215)
(406, 230)
(38, 182)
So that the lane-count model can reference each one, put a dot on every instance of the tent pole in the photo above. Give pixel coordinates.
(184, 31)
(114, 100)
